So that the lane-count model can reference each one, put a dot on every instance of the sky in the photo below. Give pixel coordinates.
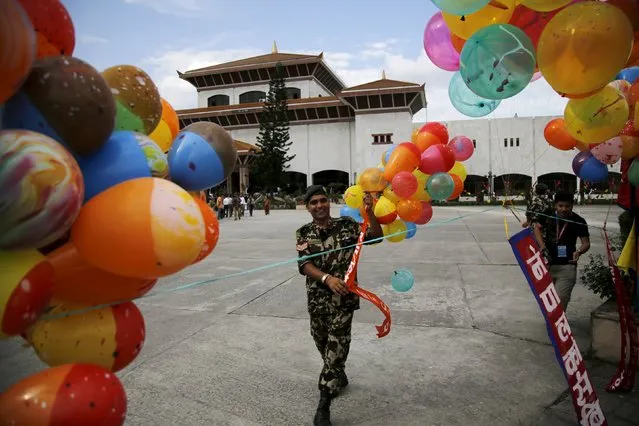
(359, 38)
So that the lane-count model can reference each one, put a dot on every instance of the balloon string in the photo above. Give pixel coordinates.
(49, 317)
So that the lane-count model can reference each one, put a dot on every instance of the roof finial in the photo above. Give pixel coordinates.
(274, 50)
(383, 75)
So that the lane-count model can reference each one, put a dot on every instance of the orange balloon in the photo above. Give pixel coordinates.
(629, 147)
(211, 228)
(413, 136)
(409, 210)
(78, 281)
(403, 158)
(557, 135)
(637, 115)
(633, 95)
(143, 228)
(17, 47)
(170, 117)
(581, 146)
(425, 140)
(458, 42)
(633, 60)
(459, 187)
(630, 8)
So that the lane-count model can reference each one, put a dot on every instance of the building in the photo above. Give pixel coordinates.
(339, 131)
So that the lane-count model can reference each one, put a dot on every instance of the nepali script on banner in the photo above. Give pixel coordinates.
(531, 261)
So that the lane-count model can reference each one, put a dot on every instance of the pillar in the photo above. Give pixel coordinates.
(244, 178)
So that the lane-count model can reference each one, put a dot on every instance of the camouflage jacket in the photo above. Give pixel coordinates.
(539, 207)
(311, 240)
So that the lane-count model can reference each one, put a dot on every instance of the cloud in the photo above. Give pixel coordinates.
(356, 67)
(187, 8)
(89, 39)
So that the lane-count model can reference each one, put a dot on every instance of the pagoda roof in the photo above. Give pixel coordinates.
(242, 146)
(383, 84)
(254, 62)
(291, 103)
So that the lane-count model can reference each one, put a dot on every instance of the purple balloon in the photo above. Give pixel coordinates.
(438, 45)
(579, 160)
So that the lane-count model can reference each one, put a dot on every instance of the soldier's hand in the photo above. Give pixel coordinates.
(337, 286)
(368, 202)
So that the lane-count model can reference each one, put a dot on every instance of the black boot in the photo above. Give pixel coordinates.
(323, 413)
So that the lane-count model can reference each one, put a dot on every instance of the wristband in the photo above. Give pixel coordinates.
(324, 278)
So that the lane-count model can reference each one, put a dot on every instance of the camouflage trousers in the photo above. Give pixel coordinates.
(332, 335)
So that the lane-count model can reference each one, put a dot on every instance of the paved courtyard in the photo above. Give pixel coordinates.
(468, 344)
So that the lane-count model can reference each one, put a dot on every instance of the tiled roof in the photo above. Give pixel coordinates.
(383, 84)
(291, 103)
(244, 146)
(261, 60)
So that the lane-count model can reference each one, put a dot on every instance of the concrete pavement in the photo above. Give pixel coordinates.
(468, 344)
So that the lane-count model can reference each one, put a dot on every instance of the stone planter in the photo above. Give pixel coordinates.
(606, 333)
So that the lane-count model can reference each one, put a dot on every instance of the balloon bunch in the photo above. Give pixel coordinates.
(409, 177)
(93, 212)
(497, 47)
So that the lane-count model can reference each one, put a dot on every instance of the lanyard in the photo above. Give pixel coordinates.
(559, 234)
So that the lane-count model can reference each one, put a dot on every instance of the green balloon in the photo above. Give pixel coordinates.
(498, 61)
(440, 186)
(633, 173)
(126, 120)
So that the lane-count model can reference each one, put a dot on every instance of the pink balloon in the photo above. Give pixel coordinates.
(608, 152)
(438, 45)
(404, 184)
(462, 147)
(437, 159)
(536, 76)
(427, 214)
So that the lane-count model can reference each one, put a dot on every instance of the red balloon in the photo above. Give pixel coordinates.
(427, 214)
(531, 22)
(437, 159)
(211, 228)
(437, 129)
(54, 28)
(71, 394)
(404, 184)
(404, 158)
(459, 187)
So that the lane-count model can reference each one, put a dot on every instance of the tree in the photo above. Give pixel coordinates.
(273, 140)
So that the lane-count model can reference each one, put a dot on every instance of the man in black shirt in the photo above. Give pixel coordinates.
(557, 237)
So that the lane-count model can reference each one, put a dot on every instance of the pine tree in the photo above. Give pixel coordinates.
(273, 140)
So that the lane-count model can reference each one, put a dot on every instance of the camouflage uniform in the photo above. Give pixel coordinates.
(539, 208)
(331, 314)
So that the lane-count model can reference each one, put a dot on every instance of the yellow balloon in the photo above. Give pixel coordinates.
(162, 136)
(354, 196)
(584, 46)
(384, 208)
(421, 177)
(421, 195)
(372, 180)
(629, 147)
(596, 118)
(544, 5)
(460, 170)
(393, 228)
(413, 136)
(388, 193)
(464, 27)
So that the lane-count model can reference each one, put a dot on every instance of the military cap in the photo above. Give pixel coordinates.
(313, 190)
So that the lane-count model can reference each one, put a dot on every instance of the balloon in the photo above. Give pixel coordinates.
(557, 136)
(426, 215)
(372, 180)
(211, 229)
(202, 156)
(593, 170)
(390, 194)
(386, 154)
(155, 158)
(111, 337)
(467, 25)
(458, 189)
(440, 186)
(77, 281)
(458, 42)
(396, 227)
(402, 280)
(466, 101)
(137, 98)
(532, 22)
(421, 193)
(462, 148)
(354, 196)
(17, 47)
(404, 184)
(545, 5)
(41, 190)
(118, 160)
(437, 129)
(438, 45)
(385, 211)
(26, 288)
(460, 170)
(170, 117)
(629, 147)
(404, 158)
(584, 46)
(633, 173)
(409, 210)
(346, 211)
(579, 160)
(608, 152)
(630, 8)
(143, 228)
(598, 117)
(75, 394)
(168, 127)
(498, 61)
(66, 99)
(426, 139)
(53, 27)
(437, 159)
(536, 76)
(460, 7)
(411, 229)
(629, 74)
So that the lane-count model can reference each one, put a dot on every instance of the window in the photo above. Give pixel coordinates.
(517, 141)
(382, 139)
(293, 93)
(505, 142)
(511, 142)
(252, 97)
(218, 100)
(474, 143)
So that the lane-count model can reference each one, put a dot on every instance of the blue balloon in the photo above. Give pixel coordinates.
(346, 211)
(194, 164)
(402, 280)
(411, 230)
(120, 159)
(20, 113)
(388, 153)
(593, 170)
(629, 74)
(466, 101)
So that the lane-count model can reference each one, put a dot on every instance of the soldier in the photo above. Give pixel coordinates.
(330, 304)
(540, 205)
